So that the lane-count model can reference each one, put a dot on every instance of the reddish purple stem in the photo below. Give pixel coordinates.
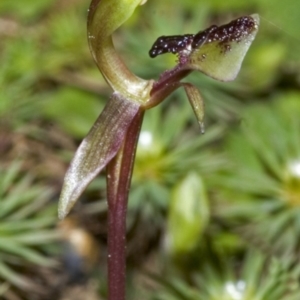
(119, 172)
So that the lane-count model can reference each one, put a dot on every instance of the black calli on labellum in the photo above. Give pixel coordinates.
(171, 43)
(184, 44)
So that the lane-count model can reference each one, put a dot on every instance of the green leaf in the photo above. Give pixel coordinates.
(12, 247)
(221, 56)
(13, 199)
(36, 238)
(97, 149)
(7, 178)
(189, 214)
(24, 225)
(10, 276)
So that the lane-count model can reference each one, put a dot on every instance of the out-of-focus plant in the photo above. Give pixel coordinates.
(265, 177)
(26, 230)
(68, 101)
(166, 159)
(256, 278)
(216, 51)
(29, 12)
(188, 214)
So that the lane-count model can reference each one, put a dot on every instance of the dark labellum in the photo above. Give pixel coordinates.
(201, 37)
(231, 32)
(171, 43)
(224, 34)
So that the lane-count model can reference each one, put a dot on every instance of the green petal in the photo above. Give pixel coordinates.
(221, 58)
(97, 149)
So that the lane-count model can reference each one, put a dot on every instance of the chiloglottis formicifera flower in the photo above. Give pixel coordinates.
(111, 143)
(217, 51)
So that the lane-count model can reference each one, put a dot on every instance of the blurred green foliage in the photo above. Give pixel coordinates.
(247, 162)
(24, 207)
(258, 279)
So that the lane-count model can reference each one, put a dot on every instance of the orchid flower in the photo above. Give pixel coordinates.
(217, 52)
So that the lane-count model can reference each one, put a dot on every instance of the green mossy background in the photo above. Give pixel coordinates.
(213, 216)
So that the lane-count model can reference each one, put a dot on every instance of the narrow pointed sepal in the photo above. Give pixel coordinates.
(97, 149)
(196, 102)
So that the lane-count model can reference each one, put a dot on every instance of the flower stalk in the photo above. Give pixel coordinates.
(119, 172)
